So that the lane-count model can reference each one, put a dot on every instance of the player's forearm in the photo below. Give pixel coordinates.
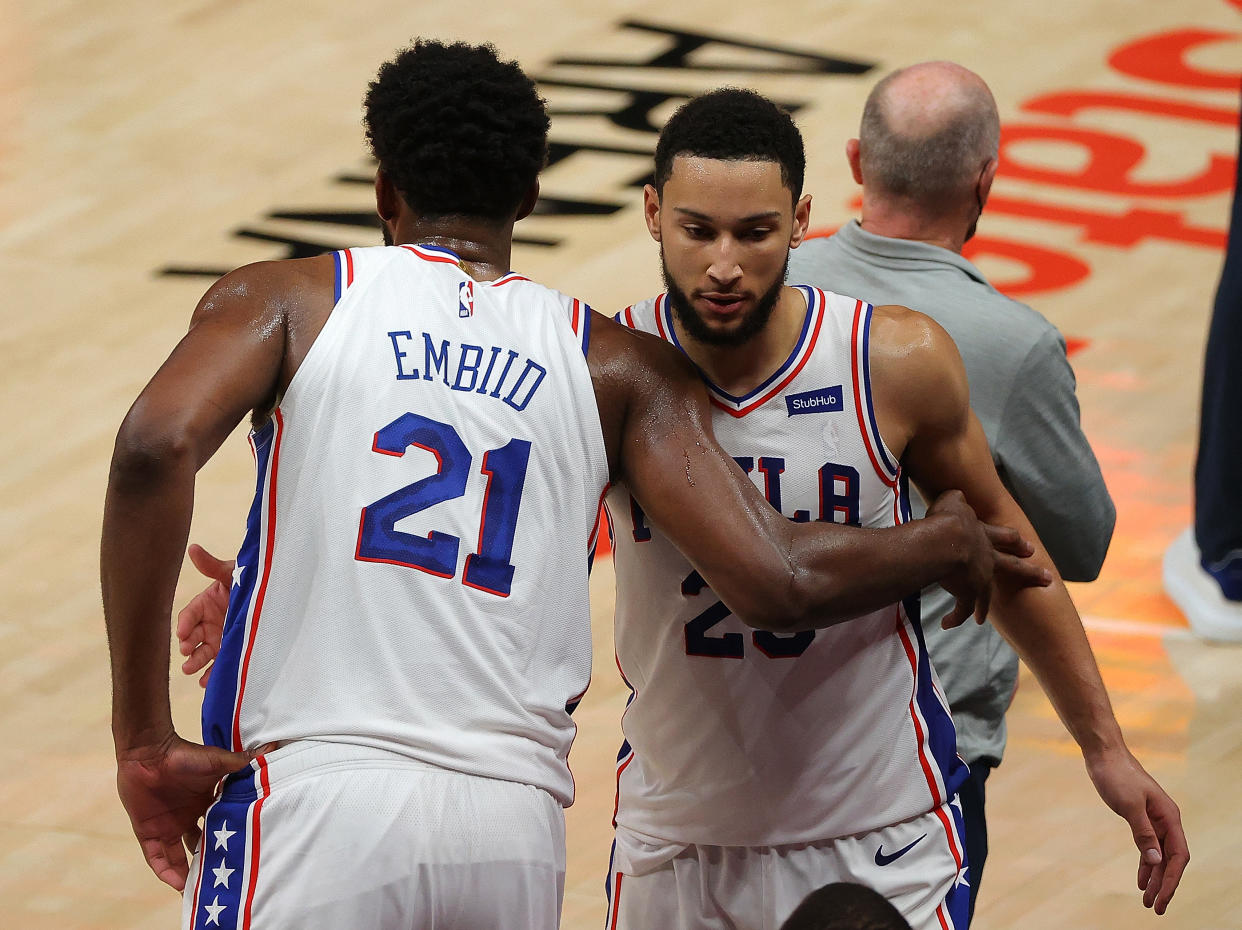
(1043, 627)
(845, 573)
(146, 524)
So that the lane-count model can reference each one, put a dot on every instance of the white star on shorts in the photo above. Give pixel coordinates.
(213, 911)
(222, 837)
(961, 877)
(222, 875)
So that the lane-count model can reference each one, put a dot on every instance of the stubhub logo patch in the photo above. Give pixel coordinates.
(825, 400)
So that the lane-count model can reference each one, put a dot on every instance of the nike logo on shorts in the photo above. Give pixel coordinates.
(881, 858)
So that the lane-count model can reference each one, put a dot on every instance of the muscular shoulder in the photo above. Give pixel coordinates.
(633, 359)
(269, 289)
(917, 378)
(638, 375)
(276, 307)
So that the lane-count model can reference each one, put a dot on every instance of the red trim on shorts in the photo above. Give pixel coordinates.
(254, 839)
(952, 835)
(616, 901)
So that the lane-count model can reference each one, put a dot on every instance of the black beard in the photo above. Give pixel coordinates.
(752, 324)
(386, 233)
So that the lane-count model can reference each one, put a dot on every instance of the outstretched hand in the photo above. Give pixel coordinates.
(200, 624)
(1154, 819)
(166, 788)
(996, 554)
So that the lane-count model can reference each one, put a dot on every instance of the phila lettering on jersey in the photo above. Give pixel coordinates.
(738, 737)
(401, 585)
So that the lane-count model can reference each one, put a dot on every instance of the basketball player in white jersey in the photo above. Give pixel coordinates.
(408, 627)
(758, 767)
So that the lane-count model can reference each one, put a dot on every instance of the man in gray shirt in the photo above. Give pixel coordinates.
(926, 157)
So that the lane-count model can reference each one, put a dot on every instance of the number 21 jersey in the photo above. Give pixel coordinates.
(414, 574)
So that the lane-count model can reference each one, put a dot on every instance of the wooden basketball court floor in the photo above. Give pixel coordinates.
(145, 146)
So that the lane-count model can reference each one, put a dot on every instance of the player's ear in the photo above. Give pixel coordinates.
(853, 154)
(387, 198)
(528, 202)
(801, 220)
(651, 210)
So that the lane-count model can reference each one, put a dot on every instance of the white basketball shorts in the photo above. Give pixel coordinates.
(919, 865)
(325, 836)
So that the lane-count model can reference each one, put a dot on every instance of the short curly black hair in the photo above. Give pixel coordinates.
(458, 131)
(733, 124)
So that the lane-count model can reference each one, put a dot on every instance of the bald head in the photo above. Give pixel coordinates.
(927, 132)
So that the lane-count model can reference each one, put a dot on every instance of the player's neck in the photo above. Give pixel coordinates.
(740, 369)
(898, 220)
(485, 249)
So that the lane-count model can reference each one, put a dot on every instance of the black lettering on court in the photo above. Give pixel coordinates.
(686, 43)
(700, 56)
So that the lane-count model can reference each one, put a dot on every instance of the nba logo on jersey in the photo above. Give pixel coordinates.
(465, 299)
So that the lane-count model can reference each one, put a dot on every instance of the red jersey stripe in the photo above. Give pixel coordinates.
(920, 736)
(269, 543)
(859, 408)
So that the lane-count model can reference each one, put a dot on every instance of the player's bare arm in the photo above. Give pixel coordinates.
(241, 349)
(922, 402)
(774, 574)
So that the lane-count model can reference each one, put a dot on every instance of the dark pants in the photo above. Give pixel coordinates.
(1218, 470)
(971, 795)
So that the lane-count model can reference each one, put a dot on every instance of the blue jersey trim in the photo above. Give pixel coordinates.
(220, 699)
(337, 274)
(957, 901)
(587, 313)
(941, 735)
(811, 303)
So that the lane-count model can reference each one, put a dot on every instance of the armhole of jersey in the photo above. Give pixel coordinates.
(343, 275)
(582, 324)
(860, 365)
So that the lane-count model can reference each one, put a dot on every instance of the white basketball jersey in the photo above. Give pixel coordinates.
(414, 575)
(739, 737)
